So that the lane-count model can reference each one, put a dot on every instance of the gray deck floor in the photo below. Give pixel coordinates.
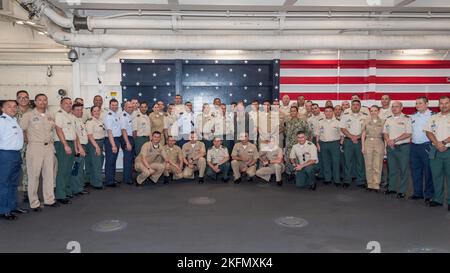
(160, 219)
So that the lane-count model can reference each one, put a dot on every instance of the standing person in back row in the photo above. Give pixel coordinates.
(65, 141)
(38, 126)
(141, 128)
(112, 142)
(397, 135)
(351, 126)
(11, 142)
(420, 150)
(438, 132)
(127, 142)
(96, 134)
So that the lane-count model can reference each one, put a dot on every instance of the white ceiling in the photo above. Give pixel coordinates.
(261, 5)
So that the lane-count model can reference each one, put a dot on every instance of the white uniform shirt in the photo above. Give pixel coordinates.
(11, 135)
(112, 123)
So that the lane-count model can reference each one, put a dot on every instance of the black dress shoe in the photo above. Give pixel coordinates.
(237, 181)
(337, 185)
(64, 201)
(38, 209)
(279, 183)
(434, 204)
(97, 188)
(9, 216)
(225, 180)
(427, 200)
(138, 185)
(362, 186)
(401, 195)
(201, 180)
(313, 187)
(112, 185)
(54, 205)
(389, 192)
(69, 196)
(448, 208)
(83, 192)
(166, 180)
(20, 210)
(345, 185)
(414, 197)
(327, 182)
(250, 179)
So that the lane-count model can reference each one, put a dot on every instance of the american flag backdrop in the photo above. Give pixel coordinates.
(337, 80)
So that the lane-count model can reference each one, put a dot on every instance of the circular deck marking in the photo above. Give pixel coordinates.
(291, 221)
(202, 200)
(109, 225)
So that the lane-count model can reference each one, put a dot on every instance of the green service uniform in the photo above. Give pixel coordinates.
(313, 123)
(81, 178)
(141, 124)
(95, 128)
(329, 135)
(23, 153)
(66, 122)
(302, 153)
(398, 157)
(439, 125)
(352, 151)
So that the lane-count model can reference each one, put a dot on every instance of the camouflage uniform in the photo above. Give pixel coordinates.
(19, 116)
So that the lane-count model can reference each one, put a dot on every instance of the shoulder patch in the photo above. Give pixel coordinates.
(138, 115)
(321, 119)
(310, 143)
(407, 116)
(364, 113)
(346, 113)
(2, 117)
(110, 113)
(389, 117)
(124, 114)
(59, 111)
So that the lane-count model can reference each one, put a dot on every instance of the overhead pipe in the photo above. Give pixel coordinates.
(101, 62)
(252, 42)
(99, 23)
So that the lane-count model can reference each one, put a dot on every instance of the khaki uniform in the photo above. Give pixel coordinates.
(216, 156)
(64, 184)
(157, 124)
(40, 155)
(95, 128)
(385, 113)
(141, 124)
(353, 157)
(247, 153)
(23, 152)
(175, 155)
(269, 126)
(302, 154)
(329, 135)
(439, 125)
(87, 114)
(265, 172)
(285, 109)
(82, 178)
(155, 156)
(190, 152)
(374, 151)
(398, 158)
(364, 110)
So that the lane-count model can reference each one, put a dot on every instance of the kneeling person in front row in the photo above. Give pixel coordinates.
(218, 160)
(194, 153)
(271, 161)
(304, 158)
(174, 162)
(150, 162)
(245, 156)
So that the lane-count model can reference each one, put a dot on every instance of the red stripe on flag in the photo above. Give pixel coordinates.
(320, 64)
(367, 95)
(398, 64)
(365, 80)
(324, 80)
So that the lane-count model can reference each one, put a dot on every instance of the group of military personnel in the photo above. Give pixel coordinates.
(342, 144)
